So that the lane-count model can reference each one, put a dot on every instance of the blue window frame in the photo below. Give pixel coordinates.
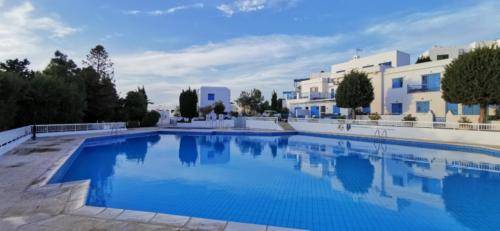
(453, 107)
(336, 110)
(423, 106)
(470, 109)
(431, 82)
(397, 83)
(332, 93)
(211, 96)
(366, 109)
(397, 108)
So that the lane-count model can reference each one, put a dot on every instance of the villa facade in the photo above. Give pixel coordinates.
(207, 96)
(400, 87)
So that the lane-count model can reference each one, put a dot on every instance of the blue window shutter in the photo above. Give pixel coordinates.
(453, 107)
(397, 108)
(470, 109)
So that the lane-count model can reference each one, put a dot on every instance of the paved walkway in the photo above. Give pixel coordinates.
(27, 202)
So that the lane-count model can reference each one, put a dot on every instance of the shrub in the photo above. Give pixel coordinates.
(409, 117)
(374, 116)
(151, 119)
(464, 120)
(133, 124)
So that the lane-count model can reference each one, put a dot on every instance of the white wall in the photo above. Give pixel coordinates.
(262, 124)
(207, 124)
(426, 134)
(220, 94)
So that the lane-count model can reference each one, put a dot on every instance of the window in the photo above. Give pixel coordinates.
(366, 110)
(341, 71)
(397, 83)
(453, 107)
(431, 82)
(386, 64)
(367, 66)
(313, 89)
(332, 93)
(323, 109)
(441, 57)
(422, 106)
(397, 108)
(470, 109)
(211, 96)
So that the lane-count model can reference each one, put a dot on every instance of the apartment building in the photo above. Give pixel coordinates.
(400, 87)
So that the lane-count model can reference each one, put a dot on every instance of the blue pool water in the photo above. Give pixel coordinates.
(298, 181)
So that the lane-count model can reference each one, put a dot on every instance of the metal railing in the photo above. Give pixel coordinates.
(50, 128)
(274, 119)
(411, 124)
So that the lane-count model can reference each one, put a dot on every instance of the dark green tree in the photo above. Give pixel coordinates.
(219, 108)
(151, 119)
(101, 93)
(17, 66)
(274, 101)
(136, 104)
(263, 106)
(474, 78)
(188, 101)
(354, 91)
(423, 59)
(12, 90)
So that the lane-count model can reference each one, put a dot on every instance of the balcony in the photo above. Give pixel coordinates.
(413, 88)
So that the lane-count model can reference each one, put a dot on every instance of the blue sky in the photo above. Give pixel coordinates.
(167, 45)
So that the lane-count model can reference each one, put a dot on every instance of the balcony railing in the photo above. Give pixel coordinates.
(421, 88)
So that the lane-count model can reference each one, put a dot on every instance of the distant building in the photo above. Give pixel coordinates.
(400, 87)
(209, 95)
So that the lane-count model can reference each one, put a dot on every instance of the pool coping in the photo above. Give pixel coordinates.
(79, 193)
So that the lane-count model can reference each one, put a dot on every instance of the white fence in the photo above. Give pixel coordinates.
(411, 124)
(11, 138)
(71, 128)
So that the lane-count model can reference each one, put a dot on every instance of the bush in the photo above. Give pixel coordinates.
(133, 124)
(375, 116)
(409, 117)
(464, 120)
(151, 119)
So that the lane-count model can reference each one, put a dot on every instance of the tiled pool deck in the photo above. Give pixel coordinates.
(27, 202)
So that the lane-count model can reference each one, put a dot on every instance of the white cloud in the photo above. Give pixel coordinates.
(230, 9)
(266, 62)
(167, 11)
(24, 34)
(445, 27)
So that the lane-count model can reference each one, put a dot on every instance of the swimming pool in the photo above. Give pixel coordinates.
(299, 181)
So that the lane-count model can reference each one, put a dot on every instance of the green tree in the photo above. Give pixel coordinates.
(12, 90)
(250, 102)
(136, 104)
(263, 106)
(206, 110)
(219, 108)
(274, 101)
(151, 119)
(102, 97)
(188, 100)
(17, 66)
(474, 78)
(354, 91)
(423, 59)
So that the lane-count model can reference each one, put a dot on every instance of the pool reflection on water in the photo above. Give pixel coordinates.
(294, 181)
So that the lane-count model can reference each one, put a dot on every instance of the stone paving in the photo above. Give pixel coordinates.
(27, 202)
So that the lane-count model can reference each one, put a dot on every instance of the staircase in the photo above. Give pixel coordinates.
(286, 126)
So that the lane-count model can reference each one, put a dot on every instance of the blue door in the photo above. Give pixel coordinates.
(315, 111)
(336, 110)
(397, 108)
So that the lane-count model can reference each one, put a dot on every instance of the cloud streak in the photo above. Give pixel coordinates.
(245, 6)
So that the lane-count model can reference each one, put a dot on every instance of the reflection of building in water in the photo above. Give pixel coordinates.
(214, 149)
(388, 175)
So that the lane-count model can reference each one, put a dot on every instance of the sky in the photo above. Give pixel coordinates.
(169, 45)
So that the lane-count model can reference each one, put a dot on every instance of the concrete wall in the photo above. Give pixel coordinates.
(262, 124)
(221, 94)
(426, 134)
(207, 124)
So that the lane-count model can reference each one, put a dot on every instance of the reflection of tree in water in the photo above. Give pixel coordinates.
(188, 152)
(101, 188)
(283, 142)
(355, 173)
(137, 147)
(274, 149)
(473, 201)
(249, 146)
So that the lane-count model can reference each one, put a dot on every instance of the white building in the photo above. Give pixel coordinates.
(209, 95)
(400, 88)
